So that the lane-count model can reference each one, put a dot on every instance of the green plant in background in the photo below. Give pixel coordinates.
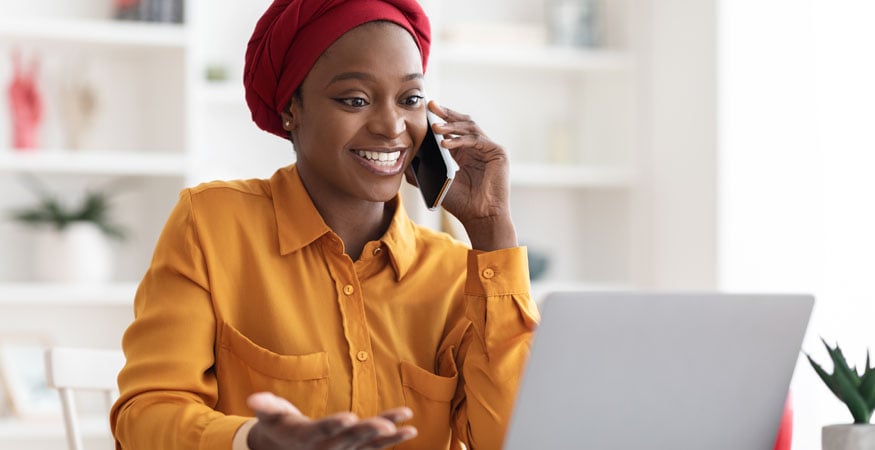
(856, 390)
(95, 208)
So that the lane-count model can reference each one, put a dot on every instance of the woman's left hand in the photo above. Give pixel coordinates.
(480, 194)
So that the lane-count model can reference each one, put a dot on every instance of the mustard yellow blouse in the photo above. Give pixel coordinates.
(249, 290)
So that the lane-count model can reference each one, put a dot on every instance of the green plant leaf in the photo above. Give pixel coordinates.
(840, 365)
(95, 208)
(858, 408)
(826, 377)
(113, 231)
(867, 388)
(842, 383)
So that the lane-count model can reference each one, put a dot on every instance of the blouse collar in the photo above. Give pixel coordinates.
(299, 223)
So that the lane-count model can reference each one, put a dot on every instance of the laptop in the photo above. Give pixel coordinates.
(673, 371)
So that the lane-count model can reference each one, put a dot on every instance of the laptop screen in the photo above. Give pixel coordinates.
(659, 371)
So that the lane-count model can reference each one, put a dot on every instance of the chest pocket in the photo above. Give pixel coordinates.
(429, 396)
(243, 368)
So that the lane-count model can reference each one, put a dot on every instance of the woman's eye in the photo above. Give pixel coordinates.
(413, 100)
(353, 102)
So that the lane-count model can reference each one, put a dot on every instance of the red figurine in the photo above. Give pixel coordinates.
(127, 9)
(26, 104)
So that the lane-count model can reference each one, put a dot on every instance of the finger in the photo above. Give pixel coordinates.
(437, 109)
(404, 433)
(448, 114)
(457, 128)
(478, 142)
(269, 407)
(397, 415)
(335, 424)
(362, 432)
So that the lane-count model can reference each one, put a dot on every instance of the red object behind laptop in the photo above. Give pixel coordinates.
(785, 431)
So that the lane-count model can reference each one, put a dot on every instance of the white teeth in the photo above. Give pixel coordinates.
(380, 158)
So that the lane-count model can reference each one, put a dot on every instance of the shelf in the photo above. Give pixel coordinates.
(93, 162)
(224, 93)
(60, 294)
(537, 57)
(569, 176)
(94, 31)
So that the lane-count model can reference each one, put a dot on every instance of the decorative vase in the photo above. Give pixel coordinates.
(572, 23)
(848, 437)
(80, 253)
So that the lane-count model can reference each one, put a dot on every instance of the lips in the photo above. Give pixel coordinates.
(382, 161)
(386, 159)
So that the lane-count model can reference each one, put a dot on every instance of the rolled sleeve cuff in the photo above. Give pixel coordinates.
(503, 276)
(498, 273)
(241, 437)
(220, 433)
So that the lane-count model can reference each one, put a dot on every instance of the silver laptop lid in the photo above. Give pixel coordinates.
(659, 371)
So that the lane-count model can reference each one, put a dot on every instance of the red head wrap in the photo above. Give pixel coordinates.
(292, 34)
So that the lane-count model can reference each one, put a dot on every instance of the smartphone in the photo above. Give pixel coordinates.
(433, 167)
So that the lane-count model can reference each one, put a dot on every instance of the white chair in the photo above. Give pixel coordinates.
(72, 369)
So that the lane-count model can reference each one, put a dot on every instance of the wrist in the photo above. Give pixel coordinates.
(491, 233)
(241, 437)
(254, 436)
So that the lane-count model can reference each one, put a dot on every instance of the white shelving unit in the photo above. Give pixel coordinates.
(138, 136)
(82, 31)
(572, 176)
(223, 93)
(123, 163)
(139, 144)
(533, 57)
(56, 294)
(569, 118)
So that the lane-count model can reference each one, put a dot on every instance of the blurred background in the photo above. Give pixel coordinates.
(655, 144)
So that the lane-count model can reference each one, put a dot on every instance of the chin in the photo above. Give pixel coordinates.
(385, 193)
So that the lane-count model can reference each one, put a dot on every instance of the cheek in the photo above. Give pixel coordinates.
(328, 133)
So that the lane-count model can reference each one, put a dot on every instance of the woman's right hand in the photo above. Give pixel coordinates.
(281, 425)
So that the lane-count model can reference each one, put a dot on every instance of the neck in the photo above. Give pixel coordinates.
(355, 221)
(357, 225)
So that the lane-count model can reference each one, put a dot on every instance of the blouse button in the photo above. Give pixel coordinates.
(362, 356)
(488, 273)
(348, 289)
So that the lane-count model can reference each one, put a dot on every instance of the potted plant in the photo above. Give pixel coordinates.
(71, 244)
(856, 389)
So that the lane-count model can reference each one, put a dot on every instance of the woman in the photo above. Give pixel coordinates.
(310, 300)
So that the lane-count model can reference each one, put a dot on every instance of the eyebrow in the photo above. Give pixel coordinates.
(367, 77)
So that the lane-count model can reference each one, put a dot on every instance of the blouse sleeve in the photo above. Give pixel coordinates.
(494, 345)
(168, 387)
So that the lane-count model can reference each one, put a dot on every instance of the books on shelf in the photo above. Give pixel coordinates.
(151, 10)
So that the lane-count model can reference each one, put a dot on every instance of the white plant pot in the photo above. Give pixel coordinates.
(848, 437)
(81, 253)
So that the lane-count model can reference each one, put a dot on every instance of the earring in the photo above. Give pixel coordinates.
(288, 124)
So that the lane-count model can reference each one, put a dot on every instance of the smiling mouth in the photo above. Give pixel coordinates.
(380, 159)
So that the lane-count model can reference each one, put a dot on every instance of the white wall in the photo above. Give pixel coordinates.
(797, 210)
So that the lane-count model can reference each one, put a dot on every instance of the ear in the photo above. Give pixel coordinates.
(291, 115)
(289, 123)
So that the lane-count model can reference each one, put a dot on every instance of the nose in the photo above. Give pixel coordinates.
(388, 121)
